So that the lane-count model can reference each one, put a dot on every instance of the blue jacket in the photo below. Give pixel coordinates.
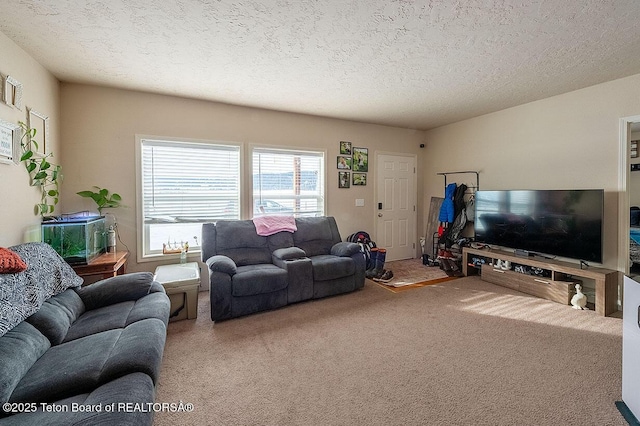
(447, 211)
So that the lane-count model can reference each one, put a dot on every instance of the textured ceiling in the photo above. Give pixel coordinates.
(414, 64)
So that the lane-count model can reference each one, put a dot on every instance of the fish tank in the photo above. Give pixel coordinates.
(78, 239)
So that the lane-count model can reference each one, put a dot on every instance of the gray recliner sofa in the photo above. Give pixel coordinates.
(89, 354)
(250, 273)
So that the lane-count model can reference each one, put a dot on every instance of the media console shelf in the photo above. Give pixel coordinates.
(556, 285)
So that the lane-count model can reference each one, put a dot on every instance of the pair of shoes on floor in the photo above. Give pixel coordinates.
(445, 254)
(385, 277)
(374, 274)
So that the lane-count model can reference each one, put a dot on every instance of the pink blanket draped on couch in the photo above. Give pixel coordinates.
(269, 225)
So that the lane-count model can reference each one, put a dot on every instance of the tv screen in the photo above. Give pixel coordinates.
(565, 223)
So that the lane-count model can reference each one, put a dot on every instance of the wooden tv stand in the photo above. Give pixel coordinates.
(556, 286)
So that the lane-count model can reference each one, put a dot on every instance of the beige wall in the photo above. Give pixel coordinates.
(567, 141)
(18, 222)
(99, 127)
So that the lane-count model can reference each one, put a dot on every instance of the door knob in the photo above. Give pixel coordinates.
(379, 214)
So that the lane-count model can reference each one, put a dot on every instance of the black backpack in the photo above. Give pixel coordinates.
(364, 241)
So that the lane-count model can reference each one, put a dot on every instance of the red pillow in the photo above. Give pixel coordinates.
(10, 262)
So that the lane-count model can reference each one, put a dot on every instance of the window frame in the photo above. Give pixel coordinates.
(142, 237)
(285, 150)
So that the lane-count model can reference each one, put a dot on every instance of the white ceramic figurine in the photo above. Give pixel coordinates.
(579, 300)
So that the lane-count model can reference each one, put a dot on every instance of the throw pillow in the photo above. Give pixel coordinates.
(10, 262)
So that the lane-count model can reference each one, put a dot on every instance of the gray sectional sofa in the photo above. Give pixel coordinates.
(250, 273)
(82, 355)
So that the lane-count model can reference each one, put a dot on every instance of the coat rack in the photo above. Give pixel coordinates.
(470, 191)
(472, 188)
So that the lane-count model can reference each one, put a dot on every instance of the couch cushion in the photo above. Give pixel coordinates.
(248, 256)
(120, 315)
(121, 288)
(154, 305)
(57, 314)
(20, 348)
(315, 235)
(280, 240)
(81, 365)
(135, 388)
(315, 247)
(258, 279)
(327, 267)
(238, 240)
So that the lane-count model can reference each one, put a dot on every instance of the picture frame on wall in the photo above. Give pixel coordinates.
(40, 122)
(345, 148)
(9, 142)
(12, 95)
(343, 179)
(360, 160)
(344, 162)
(359, 179)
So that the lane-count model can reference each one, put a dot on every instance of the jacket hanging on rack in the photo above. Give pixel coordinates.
(447, 210)
(458, 199)
(452, 232)
(470, 208)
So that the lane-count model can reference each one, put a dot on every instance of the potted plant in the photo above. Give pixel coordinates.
(103, 198)
(43, 173)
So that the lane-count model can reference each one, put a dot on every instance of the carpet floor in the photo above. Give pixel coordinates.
(463, 352)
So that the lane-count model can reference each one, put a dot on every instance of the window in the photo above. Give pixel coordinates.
(184, 184)
(288, 182)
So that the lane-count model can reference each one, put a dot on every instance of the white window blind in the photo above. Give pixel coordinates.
(288, 182)
(185, 184)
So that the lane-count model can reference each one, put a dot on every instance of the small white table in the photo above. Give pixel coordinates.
(181, 282)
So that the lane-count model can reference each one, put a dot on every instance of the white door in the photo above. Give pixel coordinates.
(396, 205)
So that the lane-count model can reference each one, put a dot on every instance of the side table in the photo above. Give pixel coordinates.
(106, 265)
(181, 282)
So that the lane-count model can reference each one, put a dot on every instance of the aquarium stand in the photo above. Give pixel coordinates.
(106, 265)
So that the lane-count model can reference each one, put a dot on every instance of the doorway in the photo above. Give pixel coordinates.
(629, 184)
(396, 205)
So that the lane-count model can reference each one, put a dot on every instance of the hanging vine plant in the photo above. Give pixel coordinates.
(43, 174)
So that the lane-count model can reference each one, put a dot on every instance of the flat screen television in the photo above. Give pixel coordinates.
(565, 223)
